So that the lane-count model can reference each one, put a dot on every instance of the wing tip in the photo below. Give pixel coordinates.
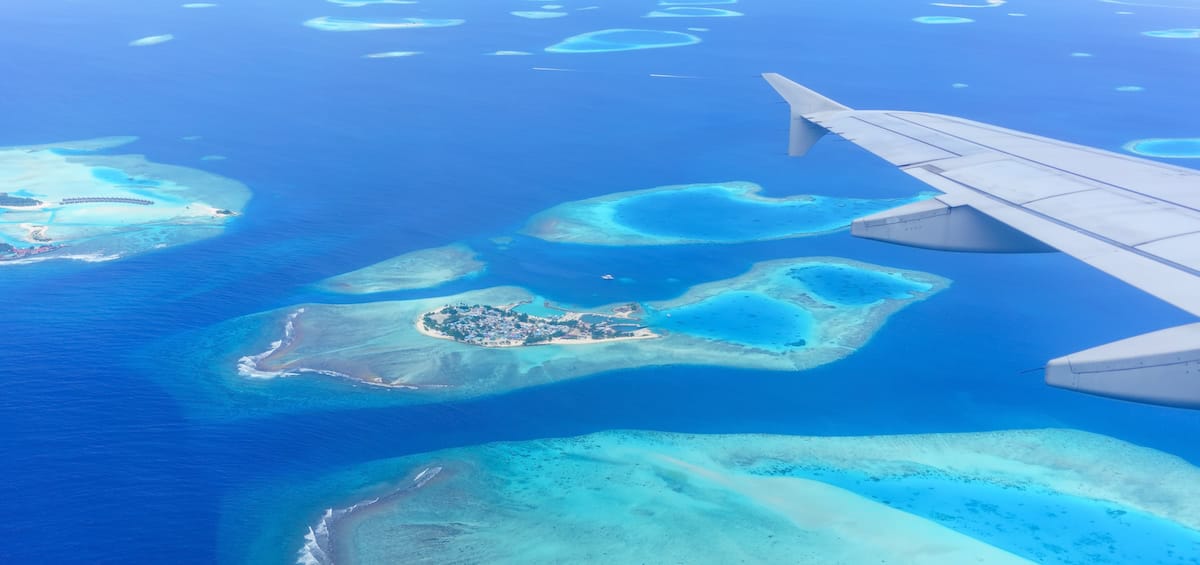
(803, 100)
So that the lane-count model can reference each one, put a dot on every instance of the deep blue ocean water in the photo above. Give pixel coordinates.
(355, 160)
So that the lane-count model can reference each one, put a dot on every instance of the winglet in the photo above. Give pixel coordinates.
(804, 133)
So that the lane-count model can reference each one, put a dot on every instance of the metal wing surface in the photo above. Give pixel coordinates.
(1010, 191)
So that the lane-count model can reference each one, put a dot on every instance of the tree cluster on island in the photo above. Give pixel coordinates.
(491, 326)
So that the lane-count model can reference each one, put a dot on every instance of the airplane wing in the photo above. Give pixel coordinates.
(1007, 191)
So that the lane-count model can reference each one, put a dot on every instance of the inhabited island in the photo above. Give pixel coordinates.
(503, 326)
(782, 315)
(69, 201)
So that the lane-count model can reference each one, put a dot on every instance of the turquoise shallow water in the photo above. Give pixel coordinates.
(117, 449)
(1002, 497)
(117, 176)
(717, 214)
(838, 284)
(727, 212)
(1042, 526)
(942, 20)
(748, 318)
(622, 40)
(1184, 148)
(537, 307)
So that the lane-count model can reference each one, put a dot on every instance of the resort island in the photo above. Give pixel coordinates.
(491, 326)
(423, 268)
(70, 201)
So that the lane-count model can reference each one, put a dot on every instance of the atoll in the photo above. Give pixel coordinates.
(1166, 148)
(782, 315)
(425, 268)
(537, 14)
(327, 23)
(692, 12)
(608, 40)
(391, 54)
(66, 201)
(151, 40)
(617, 496)
(726, 212)
(1178, 33)
(361, 3)
(941, 20)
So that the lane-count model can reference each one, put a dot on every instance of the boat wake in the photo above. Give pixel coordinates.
(318, 548)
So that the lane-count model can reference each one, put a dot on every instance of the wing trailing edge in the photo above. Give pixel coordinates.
(1009, 191)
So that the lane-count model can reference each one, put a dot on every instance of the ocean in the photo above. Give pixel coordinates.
(113, 451)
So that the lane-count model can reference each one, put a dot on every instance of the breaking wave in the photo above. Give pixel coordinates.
(248, 365)
(318, 548)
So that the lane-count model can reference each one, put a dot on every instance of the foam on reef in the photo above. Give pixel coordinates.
(618, 496)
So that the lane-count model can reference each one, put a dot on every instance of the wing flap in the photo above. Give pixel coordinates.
(1181, 249)
(1122, 218)
(1018, 182)
(1161, 367)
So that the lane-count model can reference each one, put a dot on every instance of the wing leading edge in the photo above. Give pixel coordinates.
(1012, 192)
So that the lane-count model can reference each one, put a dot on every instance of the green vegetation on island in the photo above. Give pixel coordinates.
(491, 326)
(782, 315)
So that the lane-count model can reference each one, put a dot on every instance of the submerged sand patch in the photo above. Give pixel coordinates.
(66, 201)
(622, 496)
(381, 344)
